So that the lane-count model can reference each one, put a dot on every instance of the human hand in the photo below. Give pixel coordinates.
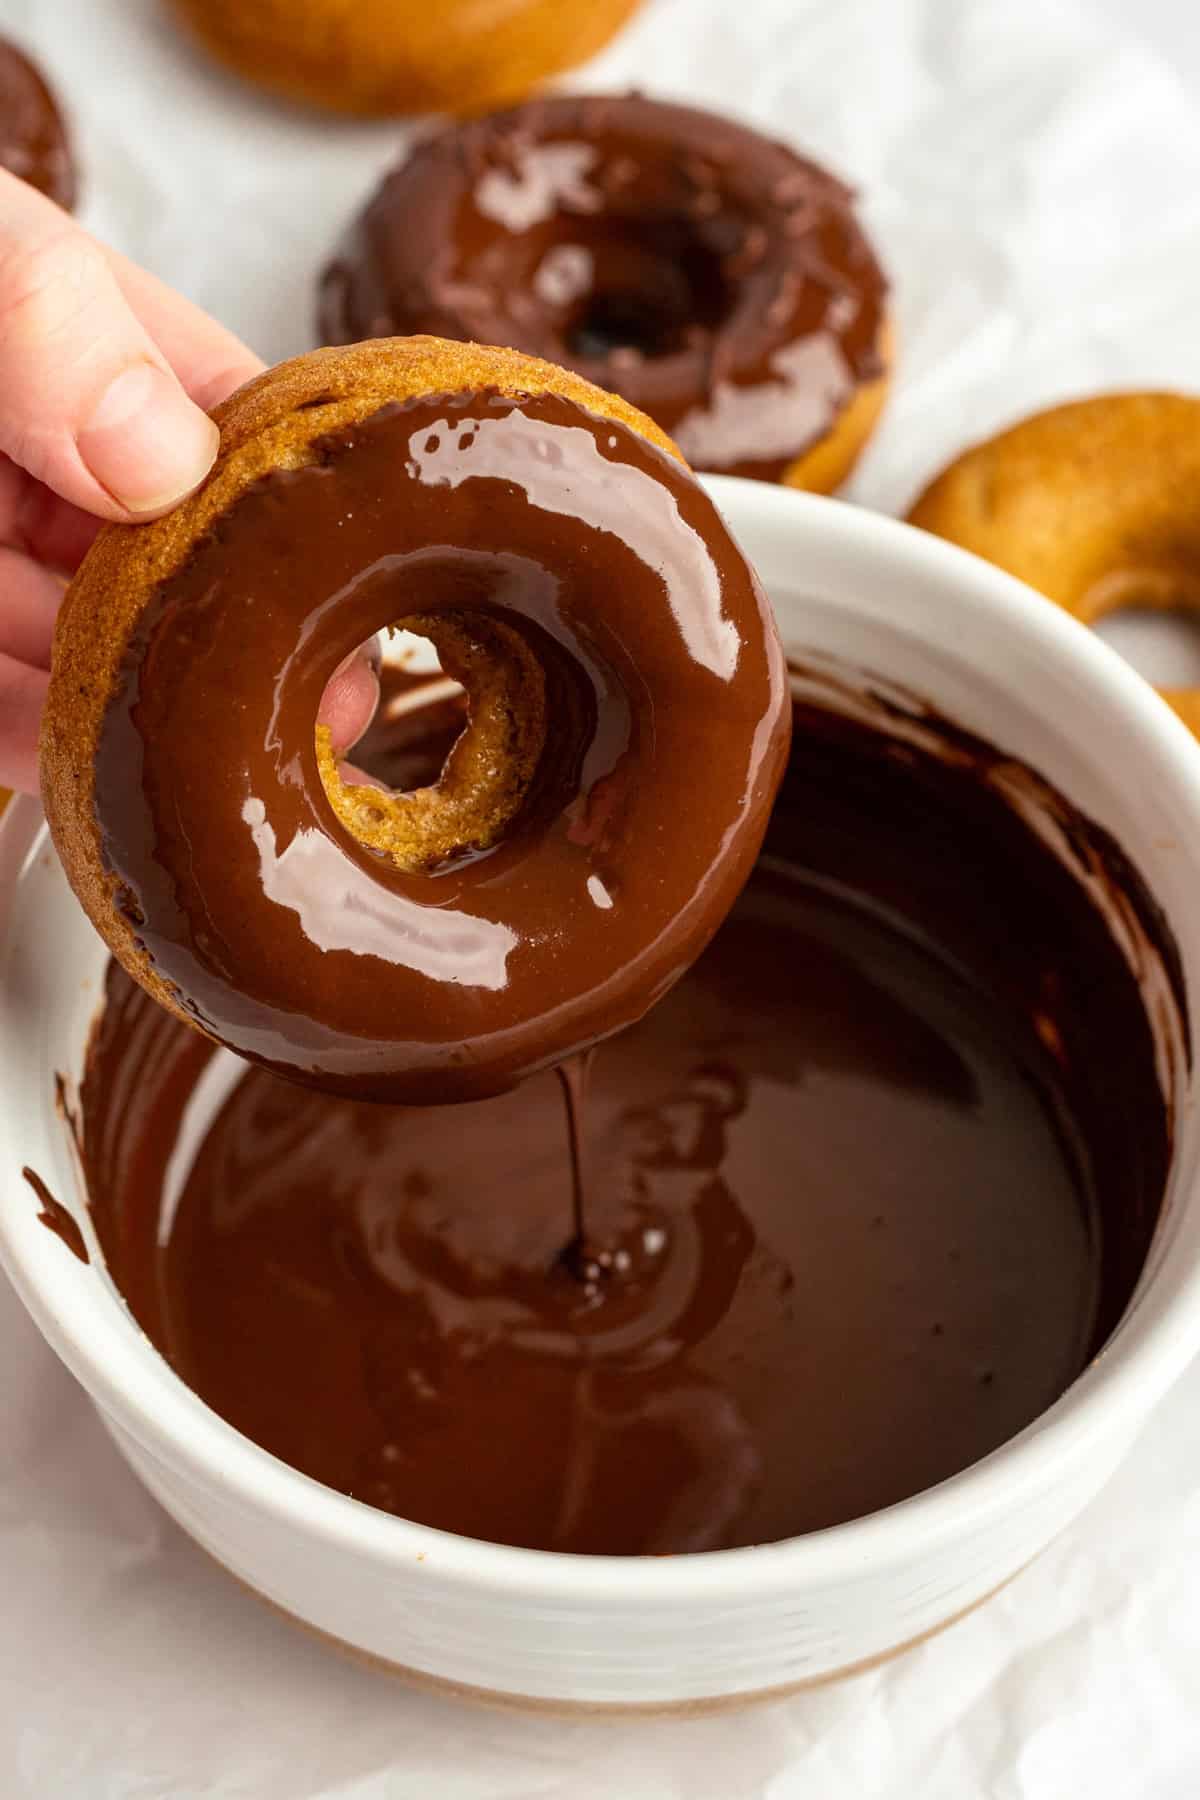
(105, 375)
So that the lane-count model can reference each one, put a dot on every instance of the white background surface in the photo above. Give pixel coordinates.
(1032, 171)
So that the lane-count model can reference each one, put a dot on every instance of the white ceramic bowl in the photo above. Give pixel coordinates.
(688, 1629)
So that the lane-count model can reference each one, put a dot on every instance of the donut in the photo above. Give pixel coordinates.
(388, 56)
(33, 138)
(1096, 504)
(628, 724)
(717, 280)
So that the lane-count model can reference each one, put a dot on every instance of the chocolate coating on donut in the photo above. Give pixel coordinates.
(277, 931)
(713, 277)
(33, 138)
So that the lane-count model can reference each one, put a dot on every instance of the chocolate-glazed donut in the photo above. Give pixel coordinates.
(33, 138)
(717, 280)
(480, 495)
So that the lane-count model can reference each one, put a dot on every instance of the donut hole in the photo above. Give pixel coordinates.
(407, 806)
(645, 289)
(422, 713)
(1150, 617)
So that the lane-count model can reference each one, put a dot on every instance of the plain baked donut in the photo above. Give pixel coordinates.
(1095, 503)
(396, 56)
(628, 724)
(717, 280)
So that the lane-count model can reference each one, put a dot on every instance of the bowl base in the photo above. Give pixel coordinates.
(442, 1687)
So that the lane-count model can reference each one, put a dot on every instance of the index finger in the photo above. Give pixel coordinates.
(209, 360)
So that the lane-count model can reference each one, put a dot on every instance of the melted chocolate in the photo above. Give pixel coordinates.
(55, 1217)
(33, 138)
(715, 278)
(293, 943)
(866, 1191)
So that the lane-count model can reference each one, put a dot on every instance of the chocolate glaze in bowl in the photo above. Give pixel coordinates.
(862, 1199)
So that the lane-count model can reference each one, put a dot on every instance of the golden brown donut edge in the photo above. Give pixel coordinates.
(1095, 503)
(380, 57)
(825, 465)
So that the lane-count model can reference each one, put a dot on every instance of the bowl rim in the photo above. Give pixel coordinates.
(1151, 1346)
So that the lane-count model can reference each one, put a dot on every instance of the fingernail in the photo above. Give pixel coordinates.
(371, 653)
(146, 443)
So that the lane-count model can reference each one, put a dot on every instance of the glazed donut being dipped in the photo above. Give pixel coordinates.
(627, 726)
(717, 280)
(1095, 503)
(33, 137)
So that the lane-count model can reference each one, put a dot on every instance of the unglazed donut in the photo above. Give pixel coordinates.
(717, 280)
(386, 56)
(1095, 503)
(628, 724)
(33, 138)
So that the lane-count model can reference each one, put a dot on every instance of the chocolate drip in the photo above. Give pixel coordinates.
(55, 1217)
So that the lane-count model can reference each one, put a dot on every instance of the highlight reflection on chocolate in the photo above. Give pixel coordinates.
(865, 1197)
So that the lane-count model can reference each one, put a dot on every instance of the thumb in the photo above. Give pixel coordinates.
(88, 403)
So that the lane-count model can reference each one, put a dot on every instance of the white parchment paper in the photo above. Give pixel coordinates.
(1034, 180)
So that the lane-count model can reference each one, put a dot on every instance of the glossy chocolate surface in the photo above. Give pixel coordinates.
(33, 138)
(712, 276)
(293, 943)
(865, 1192)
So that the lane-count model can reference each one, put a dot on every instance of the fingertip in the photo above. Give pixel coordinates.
(145, 443)
(349, 701)
(210, 390)
(22, 697)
